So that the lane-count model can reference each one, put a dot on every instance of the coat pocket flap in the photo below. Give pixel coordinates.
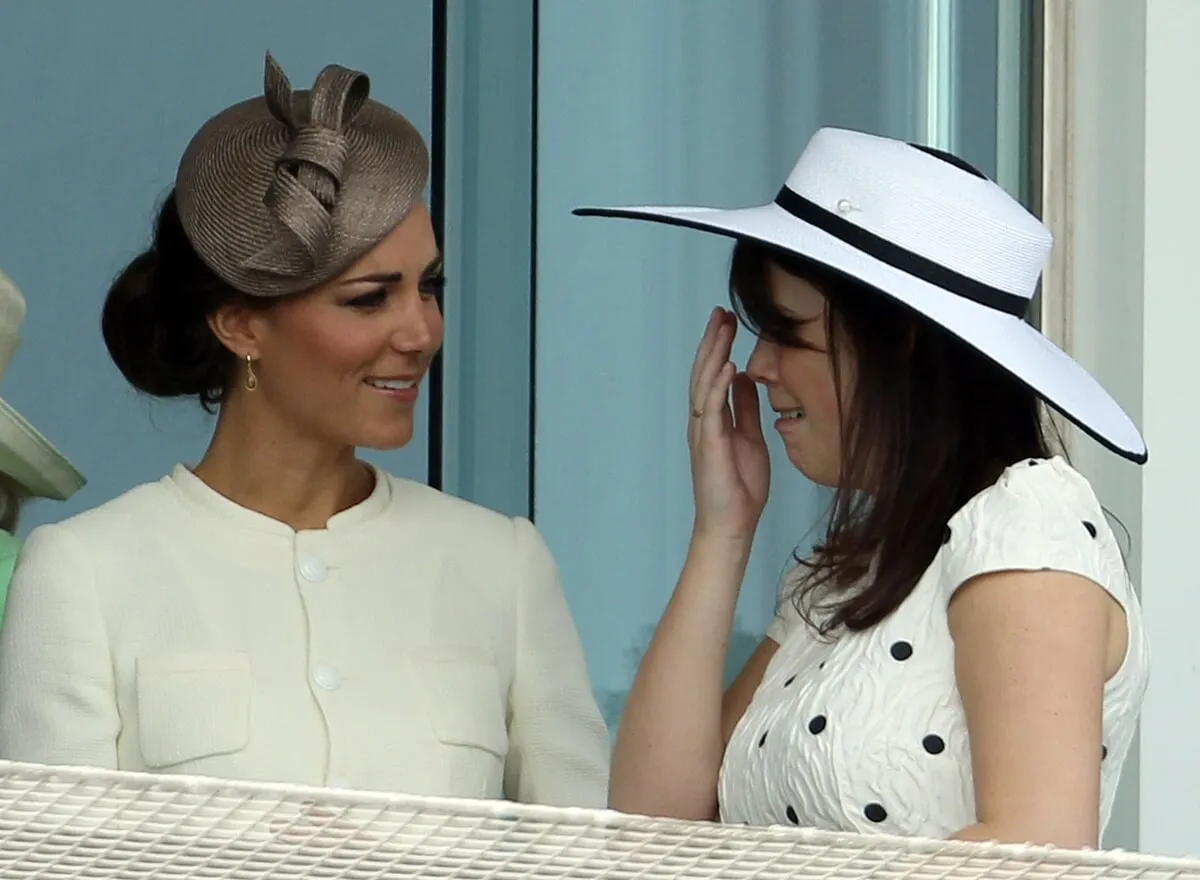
(192, 705)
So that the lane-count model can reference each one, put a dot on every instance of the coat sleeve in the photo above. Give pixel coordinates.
(558, 744)
(58, 700)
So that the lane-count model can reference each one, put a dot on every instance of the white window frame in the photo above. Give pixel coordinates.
(1121, 129)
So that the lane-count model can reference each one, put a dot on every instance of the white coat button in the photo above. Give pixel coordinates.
(327, 678)
(313, 569)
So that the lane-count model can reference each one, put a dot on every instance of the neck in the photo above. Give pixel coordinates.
(264, 466)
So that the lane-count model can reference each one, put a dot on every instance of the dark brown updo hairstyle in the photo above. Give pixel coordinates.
(155, 319)
(931, 423)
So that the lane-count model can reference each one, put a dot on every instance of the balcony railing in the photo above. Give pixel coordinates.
(69, 824)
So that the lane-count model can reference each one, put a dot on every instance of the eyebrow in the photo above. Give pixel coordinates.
(435, 265)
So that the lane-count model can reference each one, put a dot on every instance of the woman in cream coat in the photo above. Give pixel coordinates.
(283, 611)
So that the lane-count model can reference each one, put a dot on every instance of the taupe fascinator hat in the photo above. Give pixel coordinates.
(281, 193)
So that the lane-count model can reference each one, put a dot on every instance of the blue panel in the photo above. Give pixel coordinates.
(680, 101)
(676, 101)
(489, 252)
(98, 101)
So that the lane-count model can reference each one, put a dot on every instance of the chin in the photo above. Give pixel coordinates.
(386, 439)
(386, 444)
(813, 473)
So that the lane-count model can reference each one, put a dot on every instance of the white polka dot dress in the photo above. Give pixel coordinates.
(865, 731)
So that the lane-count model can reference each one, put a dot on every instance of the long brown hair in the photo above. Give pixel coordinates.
(930, 423)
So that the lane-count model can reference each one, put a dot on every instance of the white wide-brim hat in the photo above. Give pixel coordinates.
(927, 230)
(25, 455)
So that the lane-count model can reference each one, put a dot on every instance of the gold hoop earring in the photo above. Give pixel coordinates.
(251, 378)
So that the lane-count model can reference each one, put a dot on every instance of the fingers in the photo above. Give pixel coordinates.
(717, 418)
(715, 348)
(746, 413)
(706, 343)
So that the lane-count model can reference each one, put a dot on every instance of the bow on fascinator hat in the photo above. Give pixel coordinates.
(281, 193)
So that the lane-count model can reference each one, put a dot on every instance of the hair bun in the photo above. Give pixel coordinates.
(155, 318)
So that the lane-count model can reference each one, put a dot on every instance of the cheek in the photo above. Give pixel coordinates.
(807, 376)
(335, 345)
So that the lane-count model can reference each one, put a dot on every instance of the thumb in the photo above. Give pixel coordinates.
(745, 408)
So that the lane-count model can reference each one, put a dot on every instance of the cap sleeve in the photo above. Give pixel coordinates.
(1041, 515)
(781, 624)
(787, 615)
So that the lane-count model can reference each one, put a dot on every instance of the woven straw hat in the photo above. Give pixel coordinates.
(25, 455)
(281, 193)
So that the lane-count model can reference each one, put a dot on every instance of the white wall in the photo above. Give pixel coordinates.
(1123, 181)
(1170, 799)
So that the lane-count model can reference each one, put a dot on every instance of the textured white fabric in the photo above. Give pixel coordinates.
(418, 644)
(866, 732)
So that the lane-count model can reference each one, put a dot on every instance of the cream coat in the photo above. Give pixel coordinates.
(417, 644)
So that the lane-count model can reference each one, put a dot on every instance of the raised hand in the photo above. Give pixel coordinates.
(731, 471)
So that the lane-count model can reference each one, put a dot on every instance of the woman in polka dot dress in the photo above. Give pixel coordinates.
(962, 655)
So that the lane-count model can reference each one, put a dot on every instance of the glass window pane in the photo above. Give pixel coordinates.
(701, 102)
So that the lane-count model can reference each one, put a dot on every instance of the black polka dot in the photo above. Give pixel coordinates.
(821, 665)
(792, 817)
(1103, 752)
(1091, 529)
(934, 744)
(875, 812)
(946, 535)
(789, 681)
(1033, 462)
(762, 740)
(817, 724)
(901, 650)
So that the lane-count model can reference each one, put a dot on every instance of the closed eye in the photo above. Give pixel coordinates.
(433, 285)
(370, 300)
(805, 333)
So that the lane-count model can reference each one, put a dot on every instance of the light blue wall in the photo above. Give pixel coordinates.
(675, 101)
(97, 101)
(488, 245)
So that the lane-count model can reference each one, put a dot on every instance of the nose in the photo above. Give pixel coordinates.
(763, 366)
(417, 325)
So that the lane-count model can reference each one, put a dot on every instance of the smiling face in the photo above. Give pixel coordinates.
(905, 421)
(343, 363)
(800, 379)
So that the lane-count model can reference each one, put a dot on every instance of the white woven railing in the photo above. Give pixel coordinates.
(60, 823)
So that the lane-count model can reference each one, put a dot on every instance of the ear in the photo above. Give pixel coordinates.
(239, 328)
